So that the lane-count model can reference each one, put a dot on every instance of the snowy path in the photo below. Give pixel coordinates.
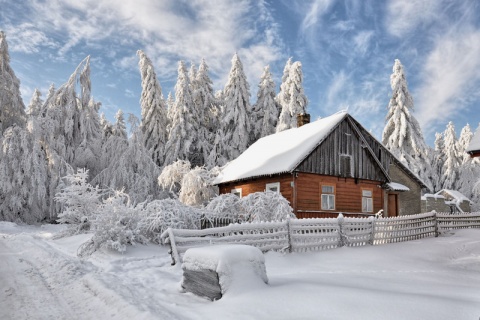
(39, 281)
(435, 278)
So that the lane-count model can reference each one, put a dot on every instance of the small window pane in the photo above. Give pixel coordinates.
(367, 204)
(367, 193)
(275, 187)
(328, 202)
(327, 189)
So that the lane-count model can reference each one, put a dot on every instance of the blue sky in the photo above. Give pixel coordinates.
(347, 49)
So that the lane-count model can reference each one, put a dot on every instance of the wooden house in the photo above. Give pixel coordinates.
(474, 147)
(326, 167)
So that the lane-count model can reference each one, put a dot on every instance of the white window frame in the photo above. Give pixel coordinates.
(237, 191)
(270, 186)
(327, 199)
(367, 200)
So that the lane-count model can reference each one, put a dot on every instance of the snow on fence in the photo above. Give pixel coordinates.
(301, 235)
(448, 221)
(404, 228)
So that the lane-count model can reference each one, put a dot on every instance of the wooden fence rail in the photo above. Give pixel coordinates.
(301, 235)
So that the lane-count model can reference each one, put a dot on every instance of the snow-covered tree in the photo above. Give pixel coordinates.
(106, 126)
(466, 136)
(154, 111)
(12, 109)
(35, 106)
(133, 170)
(265, 111)
(208, 113)
(172, 175)
(266, 206)
(196, 189)
(450, 172)
(283, 98)
(119, 128)
(23, 177)
(182, 132)
(236, 118)
(438, 159)
(402, 134)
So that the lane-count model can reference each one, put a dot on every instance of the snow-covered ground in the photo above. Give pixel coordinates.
(435, 278)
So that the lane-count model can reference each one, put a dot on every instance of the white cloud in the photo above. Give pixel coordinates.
(450, 76)
(362, 41)
(314, 12)
(167, 31)
(404, 16)
(27, 39)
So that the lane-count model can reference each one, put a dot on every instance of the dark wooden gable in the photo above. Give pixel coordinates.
(345, 153)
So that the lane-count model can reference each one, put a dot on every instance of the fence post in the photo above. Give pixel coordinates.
(342, 239)
(173, 247)
(372, 235)
(436, 222)
(289, 235)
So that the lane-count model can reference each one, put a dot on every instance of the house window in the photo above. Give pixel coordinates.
(346, 166)
(328, 198)
(237, 192)
(367, 201)
(275, 187)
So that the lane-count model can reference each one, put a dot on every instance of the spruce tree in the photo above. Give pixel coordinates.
(236, 117)
(119, 128)
(402, 134)
(437, 163)
(181, 132)
(154, 111)
(466, 136)
(265, 111)
(283, 98)
(450, 167)
(12, 109)
(35, 106)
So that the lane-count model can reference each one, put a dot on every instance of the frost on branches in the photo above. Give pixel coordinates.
(291, 98)
(236, 118)
(402, 134)
(265, 111)
(12, 109)
(182, 132)
(154, 111)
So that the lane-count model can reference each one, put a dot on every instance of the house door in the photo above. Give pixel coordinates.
(392, 205)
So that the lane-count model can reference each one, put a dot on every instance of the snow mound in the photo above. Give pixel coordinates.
(237, 266)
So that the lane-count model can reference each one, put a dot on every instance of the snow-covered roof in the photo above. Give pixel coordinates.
(475, 143)
(280, 152)
(455, 195)
(395, 186)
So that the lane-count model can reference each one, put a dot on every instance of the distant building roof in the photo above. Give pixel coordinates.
(474, 146)
(395, 186)
(453, 195)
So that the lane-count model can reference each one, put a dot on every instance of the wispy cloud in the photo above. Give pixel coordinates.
(314, 11)
(362, 41)
(403, 16)
(450, 75)
(27, 39)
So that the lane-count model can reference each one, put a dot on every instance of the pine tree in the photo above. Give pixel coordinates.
(450, 171)
(298, 100)
(438, 159)
(283, 98)
(236, 121)
(265, 111)
(106, 126)
(402, 134)
(119, 128)
(154, 111)
(466, 136)
(12, 109)
(35, 106)
(205, 104)
(181, 131)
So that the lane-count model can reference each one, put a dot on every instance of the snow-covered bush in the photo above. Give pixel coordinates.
(169, 213)
(115, 226)
(196, 189)
(172, 175)
(226, 206)
(79, 199)
(266, 206)
(258, 206)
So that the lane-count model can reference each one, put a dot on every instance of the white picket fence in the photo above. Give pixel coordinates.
(301, 235)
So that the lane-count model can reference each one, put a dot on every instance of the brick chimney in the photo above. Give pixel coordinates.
(302, 118)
